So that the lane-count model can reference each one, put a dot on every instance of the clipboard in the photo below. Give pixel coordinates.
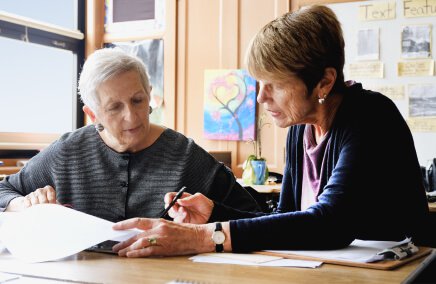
(380, 265)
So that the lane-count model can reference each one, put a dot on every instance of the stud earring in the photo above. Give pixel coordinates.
(150, 110)
(321, 100)
(99, 127)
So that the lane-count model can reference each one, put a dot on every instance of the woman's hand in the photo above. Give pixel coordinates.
(46, 194)
(195, 209)
(163, 238)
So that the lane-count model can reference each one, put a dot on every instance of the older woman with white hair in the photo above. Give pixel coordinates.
(121, 166)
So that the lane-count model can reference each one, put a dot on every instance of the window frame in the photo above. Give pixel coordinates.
(26, 29)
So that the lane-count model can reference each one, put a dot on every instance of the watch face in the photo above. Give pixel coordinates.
(218, 237)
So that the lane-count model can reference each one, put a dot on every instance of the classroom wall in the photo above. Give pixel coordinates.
(214, 34)
(417, 110)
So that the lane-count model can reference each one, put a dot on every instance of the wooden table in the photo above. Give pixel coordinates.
(94, 267)
(275, 188)
(432, 206)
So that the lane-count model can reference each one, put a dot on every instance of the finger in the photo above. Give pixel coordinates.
(26, 202)
(42, 198)
(121, 245)
(33, 199)
(51, 194)
(181, 217)
(144, 252)
(190, 200)
(173, 211)
(137, 245)
(168, 197)
(140, 223)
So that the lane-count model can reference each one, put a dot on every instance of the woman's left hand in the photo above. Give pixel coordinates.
(163, 238)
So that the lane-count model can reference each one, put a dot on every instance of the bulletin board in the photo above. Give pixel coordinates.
(390, 48)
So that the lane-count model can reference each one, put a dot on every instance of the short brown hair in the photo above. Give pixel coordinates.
(302, 43)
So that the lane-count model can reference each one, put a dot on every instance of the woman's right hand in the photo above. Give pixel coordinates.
(195, 209)
(46, 194)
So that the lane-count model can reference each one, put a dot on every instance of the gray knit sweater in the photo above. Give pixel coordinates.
(94, 179)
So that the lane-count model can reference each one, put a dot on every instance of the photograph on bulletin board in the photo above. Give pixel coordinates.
(416, 41)
(368, 44)
(422, 100)
(229, 105)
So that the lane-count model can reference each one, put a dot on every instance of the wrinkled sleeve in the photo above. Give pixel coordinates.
(36, 174)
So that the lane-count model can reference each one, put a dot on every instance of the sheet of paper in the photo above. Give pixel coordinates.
(4, 277)
(48, 232)
(357, 251)
(280, 262)
(256, 258)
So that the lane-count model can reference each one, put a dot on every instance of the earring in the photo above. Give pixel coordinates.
(321, 100)
(150, 110)
(99, 127)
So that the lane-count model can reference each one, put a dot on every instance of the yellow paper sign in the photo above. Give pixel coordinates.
(377, 11)
(365, 70)
(394, 92)
(416, 68)
(422, 124)
(419, 8)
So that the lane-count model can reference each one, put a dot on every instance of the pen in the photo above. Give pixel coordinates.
(178, 195)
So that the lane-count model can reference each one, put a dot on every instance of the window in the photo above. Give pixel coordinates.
(41, 50)
(147, 28)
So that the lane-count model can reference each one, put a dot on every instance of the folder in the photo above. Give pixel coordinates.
(385, 259)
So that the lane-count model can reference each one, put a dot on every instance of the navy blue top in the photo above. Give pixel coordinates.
(373, 188)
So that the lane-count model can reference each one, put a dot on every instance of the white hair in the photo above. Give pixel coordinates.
(102, 65)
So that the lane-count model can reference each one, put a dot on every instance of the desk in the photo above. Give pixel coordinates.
(266, 196)
(105, 268)
(262, 188)
(432, 206)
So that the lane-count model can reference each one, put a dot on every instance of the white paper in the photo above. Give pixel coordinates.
(7, 277)
(48, 232)
(253, 260)
(256, 258)
(357, 251)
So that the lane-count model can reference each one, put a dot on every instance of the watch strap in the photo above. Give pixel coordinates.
(219, 247)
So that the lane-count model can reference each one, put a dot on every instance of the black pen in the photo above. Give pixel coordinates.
(178, 195)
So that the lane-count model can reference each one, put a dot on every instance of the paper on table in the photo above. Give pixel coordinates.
(253, 260)
(48, 232)
(4, 277)
(256, 258)
(357, 251)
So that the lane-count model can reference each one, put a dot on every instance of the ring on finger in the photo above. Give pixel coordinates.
(152, 241)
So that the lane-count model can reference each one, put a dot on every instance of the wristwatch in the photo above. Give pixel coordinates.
(218, 237)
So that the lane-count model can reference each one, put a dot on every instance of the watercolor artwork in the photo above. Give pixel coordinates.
(229, 105)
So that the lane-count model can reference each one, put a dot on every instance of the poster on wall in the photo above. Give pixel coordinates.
(416, 41)
(229, 105)
(151, 53)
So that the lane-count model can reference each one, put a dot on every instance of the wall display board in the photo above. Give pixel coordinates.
(390, 49)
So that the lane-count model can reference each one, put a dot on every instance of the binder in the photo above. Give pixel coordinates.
(390, 258)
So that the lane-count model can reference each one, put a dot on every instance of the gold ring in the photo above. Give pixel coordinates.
(152, 241)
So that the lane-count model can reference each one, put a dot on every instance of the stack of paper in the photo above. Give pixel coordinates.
(358, 251)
